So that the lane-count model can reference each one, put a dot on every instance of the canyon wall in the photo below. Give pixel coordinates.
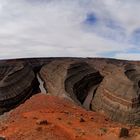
(118, 95)
(108, 86)
(17, 83)
(72, 79)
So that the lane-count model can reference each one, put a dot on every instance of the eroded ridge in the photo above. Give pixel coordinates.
(118, 95)
(72, 79)
(133, 73)
(17, 83)
(80, 79)
(53, 75)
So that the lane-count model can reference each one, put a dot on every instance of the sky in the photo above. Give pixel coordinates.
(70, 28)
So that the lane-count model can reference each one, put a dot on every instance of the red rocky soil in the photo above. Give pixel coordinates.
(44, 117)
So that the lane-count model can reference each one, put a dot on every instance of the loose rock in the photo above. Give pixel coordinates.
(82, 120)
(124, 132)
(2, 138)
(42, 122)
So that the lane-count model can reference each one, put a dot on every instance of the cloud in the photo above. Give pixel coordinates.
(128, 56)
(33, 28)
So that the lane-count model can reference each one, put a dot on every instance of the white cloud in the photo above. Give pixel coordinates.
(124, 12)
(31, 28)
(128, 56)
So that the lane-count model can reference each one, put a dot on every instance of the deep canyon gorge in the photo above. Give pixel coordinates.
(107, 86)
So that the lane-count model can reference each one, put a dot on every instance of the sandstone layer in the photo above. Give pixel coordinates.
(119, 95)
(80, 79)
(17, 83)
(71, 79)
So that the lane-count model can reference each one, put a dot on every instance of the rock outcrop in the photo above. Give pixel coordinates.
(17, 83)
(80, 79)
(53, 75)
(119, 95)
(71, 79)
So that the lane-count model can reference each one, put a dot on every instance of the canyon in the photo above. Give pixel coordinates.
(108, 87)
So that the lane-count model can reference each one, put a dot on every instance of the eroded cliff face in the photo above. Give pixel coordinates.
(54, 74)
(17, 83)
(118, 95)
(71, 79)
(80, 79)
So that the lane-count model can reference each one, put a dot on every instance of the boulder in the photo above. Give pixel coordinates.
(124, 132)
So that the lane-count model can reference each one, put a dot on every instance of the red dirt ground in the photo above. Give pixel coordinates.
(45, 117)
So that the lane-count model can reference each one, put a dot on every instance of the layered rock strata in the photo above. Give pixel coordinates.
(119, 95)
(80, 79)
(71, 79)
(53, 75)
(17, 83)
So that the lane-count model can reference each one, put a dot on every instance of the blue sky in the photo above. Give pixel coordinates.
(71, 28)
